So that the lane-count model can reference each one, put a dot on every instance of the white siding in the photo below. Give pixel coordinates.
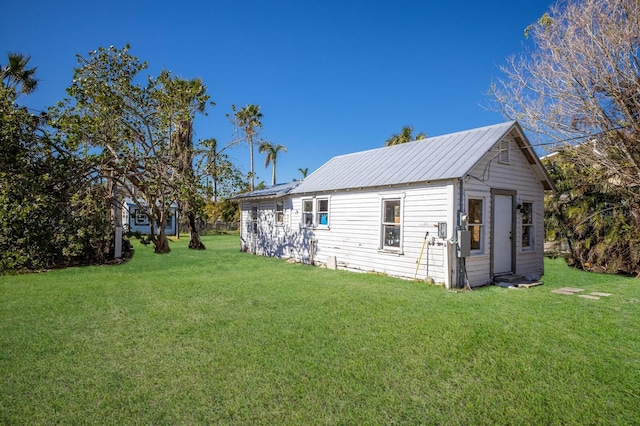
(354, 234)
(518, 176)
(271, 239)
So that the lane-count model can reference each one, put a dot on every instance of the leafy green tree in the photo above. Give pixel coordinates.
(271, 157)
(185, 98)
(52, 203)
(111, 113)
(591, 217)
(131, 126)
(304, 172)
(248, 120)
(225, 210)
(405, 135)
(579, 84)
(226, 177)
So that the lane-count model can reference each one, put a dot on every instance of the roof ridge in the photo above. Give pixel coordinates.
(427, 139)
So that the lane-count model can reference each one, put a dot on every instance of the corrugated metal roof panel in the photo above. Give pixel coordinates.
(441, 157)
(271, 192)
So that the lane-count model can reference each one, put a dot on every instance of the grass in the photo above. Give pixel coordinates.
(225, 337)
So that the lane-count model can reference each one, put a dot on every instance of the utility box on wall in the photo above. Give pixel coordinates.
(442, 230)
(464, 243)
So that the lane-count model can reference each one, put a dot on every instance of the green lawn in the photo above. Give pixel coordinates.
(223, 337)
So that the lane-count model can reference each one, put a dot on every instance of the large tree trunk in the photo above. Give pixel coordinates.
(161, 243)
(195, 243)
(152, 232)
(184, 155)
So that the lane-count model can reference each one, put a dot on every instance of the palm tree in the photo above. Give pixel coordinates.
(304, 172)
(191, 98)
(16, 75)
(248, 119)
(212, 156)
(405, 135)
(272, 155)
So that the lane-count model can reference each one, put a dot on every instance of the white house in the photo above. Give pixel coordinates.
(135, 219)
(463, 208)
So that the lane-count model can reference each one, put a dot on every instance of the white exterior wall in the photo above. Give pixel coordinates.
(517, 176)
(129, 221)
(271, 239)
(354, 233)
(354, 236)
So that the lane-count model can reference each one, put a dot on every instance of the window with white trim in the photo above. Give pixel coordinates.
(141, 217)
(391, 224)
(279, 212)
(307, 213)
(476, 223)
(254, 219)
(322, 212)
(527, 225)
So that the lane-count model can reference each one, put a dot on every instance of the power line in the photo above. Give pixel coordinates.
(563, 141)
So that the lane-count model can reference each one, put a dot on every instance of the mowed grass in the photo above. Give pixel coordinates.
(224, 337)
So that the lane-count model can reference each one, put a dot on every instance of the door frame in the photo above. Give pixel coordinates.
(510, 193)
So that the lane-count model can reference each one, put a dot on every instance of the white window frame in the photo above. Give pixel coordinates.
(528, 205)
(318, 213)
(280, 212)
(311, 213)
(307, 214)
(254, 219)
(396, 223)
(141, 218)
(482, 225)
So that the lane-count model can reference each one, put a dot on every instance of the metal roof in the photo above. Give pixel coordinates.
(436, 158)
(274, 191)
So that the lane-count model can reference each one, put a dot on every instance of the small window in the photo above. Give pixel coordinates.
(476, 224)
(322, 212)
(391, 224)
(527, 225)
(307, 213)
(254, 219)
(141, 218)
(168, 221)
(503, 154)
(280, 212)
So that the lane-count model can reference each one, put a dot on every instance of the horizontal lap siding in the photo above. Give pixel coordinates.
(354, 232)
(272, 239)
(518, 176)
(354, 235)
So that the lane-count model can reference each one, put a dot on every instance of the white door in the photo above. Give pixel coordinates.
(502, 238)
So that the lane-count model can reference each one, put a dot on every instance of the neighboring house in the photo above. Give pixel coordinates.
(467, 206)
(134, 219)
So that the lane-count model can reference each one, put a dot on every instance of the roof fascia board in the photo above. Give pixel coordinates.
(496, 141)
(532, 157)
(376, 188)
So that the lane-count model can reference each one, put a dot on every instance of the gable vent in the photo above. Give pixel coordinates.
(503, 154)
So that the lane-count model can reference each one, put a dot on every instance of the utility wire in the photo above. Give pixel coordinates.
(563, 141)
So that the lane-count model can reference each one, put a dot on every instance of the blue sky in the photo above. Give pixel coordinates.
(331, 77)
